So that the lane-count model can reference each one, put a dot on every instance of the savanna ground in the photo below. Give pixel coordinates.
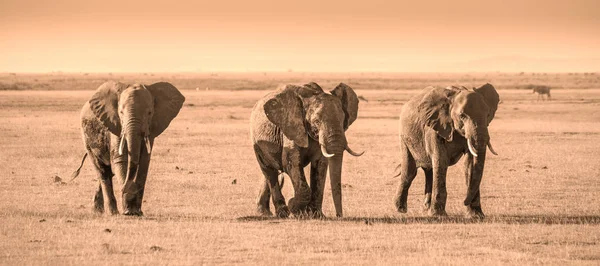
(541, 194)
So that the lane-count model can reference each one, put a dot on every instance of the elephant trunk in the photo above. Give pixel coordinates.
(333, 147)
(479, 142)
(332, 144)
(133, 137)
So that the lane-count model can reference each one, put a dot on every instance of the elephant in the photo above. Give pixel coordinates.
(437, 127)
(296, 126)
(119, 124)
(541, 90)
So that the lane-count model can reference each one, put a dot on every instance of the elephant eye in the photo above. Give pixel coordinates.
(463, 116)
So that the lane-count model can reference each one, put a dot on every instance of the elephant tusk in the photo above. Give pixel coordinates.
(471, 149)
(324, 152)
(122, 144)
(491, 148)
(148, 146)
(353, 153)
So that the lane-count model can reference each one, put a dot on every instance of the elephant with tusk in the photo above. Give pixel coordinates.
(296, 126)
(438, 127)
(119, 125)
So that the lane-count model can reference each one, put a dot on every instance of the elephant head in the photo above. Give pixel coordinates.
(303, 112)
(137, 113)
(468, 113)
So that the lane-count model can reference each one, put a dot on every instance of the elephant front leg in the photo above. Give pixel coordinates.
(318, 176)
(302, 193)
(439, 195)
(473, 210)
(105, 188)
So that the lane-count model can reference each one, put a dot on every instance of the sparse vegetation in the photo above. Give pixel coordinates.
(540, 194)
(268, 81)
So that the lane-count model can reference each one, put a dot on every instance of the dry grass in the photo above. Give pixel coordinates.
(541, 195)
(269, 80)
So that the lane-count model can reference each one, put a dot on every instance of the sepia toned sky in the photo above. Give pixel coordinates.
(261, 35)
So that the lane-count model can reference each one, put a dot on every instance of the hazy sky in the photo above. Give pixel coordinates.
(220, 35)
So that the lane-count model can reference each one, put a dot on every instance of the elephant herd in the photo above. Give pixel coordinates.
(290, 128)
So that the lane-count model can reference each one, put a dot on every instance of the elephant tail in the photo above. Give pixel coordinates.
(76, 173)
(397, 170)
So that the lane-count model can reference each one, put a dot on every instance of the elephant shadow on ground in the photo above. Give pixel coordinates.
(497, 219)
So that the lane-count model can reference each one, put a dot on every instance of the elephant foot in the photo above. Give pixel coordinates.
(282, 212)
(296, 206)
(401, 205)
(133, 213)
(262, 211)
(309, 213)
(427, 202)
(425, 208)
(437, 212)
(112, 206)
(98, 209)
(98, 203)
(402, 209)
(474, 212)
(114, 211)
(315, 213)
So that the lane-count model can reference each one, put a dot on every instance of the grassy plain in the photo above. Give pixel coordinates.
(541, 194)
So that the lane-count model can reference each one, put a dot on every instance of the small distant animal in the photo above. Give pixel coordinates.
(541, 90)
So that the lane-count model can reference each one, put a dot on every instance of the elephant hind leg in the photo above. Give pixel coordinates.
(264, 196)
(99, 200)
(302, 193)
(408, 171)
(428, 188)
(272, 183)
(105, 189)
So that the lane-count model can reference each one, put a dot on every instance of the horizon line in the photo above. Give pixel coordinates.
(284, 72)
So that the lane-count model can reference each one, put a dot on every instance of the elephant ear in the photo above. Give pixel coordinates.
(349, 103)
(167, 103)
(491, 99)
(284, 109)
(314, 87)
(104, 104)
(434, 110)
